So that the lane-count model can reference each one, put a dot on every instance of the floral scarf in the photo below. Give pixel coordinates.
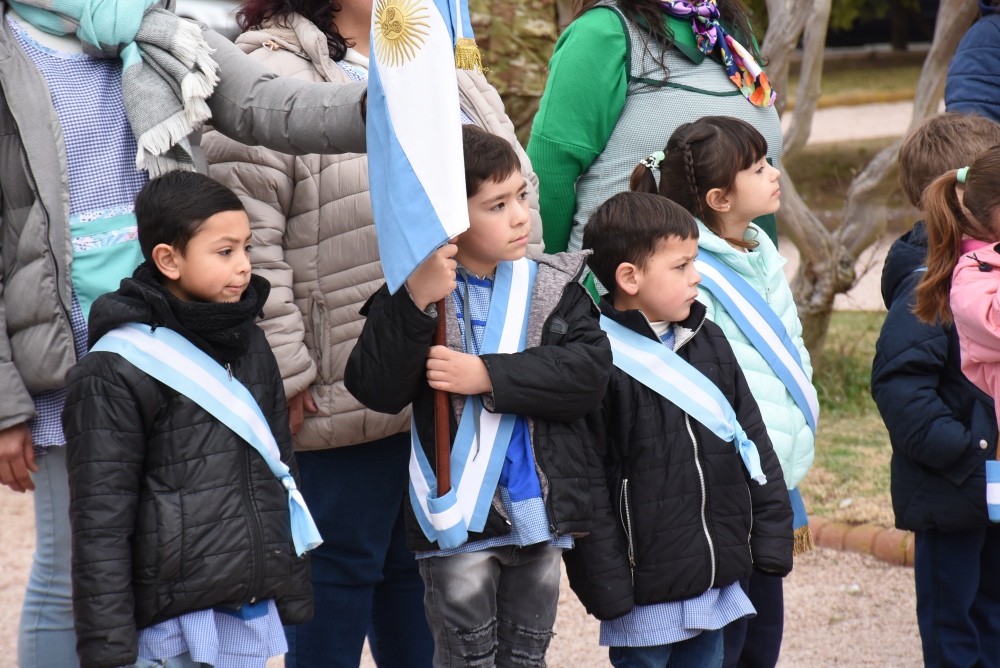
(740, 64)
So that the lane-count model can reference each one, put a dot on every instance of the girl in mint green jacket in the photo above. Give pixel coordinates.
(716, 168)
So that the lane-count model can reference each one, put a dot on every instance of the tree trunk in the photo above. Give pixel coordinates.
(828, 258)
(811, 74)
(899, 25)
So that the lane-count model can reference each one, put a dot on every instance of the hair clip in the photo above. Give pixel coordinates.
(653, 161)
(962, 175)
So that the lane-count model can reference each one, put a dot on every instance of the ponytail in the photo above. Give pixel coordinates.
(642, 180)
(945, 222)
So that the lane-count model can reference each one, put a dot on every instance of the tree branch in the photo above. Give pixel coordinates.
(811, 74)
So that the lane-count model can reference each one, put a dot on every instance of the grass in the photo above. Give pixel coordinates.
(869, 81)
(849, 480)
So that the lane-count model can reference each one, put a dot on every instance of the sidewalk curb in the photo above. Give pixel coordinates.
(889, 545)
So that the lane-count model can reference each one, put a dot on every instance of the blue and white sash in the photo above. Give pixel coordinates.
(177, 363)
(673, 378)
(475, 467)
(762, 326)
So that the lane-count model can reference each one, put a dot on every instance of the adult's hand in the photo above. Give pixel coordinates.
(297, 405)
(17, 457)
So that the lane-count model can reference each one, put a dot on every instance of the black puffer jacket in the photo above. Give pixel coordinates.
(171, 511)
(675, 497)
(555, 382)
(941, 426)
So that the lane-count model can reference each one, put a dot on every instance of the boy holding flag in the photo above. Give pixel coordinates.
(525, 360)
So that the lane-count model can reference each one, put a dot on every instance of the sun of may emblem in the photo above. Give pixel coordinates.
(400, 29)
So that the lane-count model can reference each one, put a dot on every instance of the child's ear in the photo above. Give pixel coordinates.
(165, 258)
(718, 200)
(627, 278)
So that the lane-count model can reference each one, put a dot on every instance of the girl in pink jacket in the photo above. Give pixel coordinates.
(963, 264)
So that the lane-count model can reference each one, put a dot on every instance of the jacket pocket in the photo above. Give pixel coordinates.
(169, 536)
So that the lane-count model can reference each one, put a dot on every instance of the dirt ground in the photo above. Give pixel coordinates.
(842, 609)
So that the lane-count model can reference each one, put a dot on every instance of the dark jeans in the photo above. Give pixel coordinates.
(756, 642)
(365, 581)
(957, 576)
(492, 607)
(702, 651)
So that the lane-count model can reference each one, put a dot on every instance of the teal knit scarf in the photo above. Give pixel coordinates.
(167, 69)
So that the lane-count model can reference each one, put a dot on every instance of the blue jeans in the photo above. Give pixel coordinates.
(182, 661)
(365, 581)
(492, 607)
(756, 642)
(702, 651)
(957, 577)
(46, 637)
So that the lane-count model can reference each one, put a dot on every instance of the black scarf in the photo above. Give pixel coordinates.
(221, 329)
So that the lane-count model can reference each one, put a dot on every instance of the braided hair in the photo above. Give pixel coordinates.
(700, 157)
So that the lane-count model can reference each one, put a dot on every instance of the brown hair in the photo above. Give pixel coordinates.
(649, 15)
(949, 221)
(627, 228)
(700, 156)
(943, 142)
(487, 158)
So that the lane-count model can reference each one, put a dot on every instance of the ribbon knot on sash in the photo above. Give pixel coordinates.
(179, 364)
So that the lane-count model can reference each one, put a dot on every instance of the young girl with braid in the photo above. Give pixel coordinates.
(716, 168)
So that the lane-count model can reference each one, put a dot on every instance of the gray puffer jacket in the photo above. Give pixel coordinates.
(250, 103)
(314, 238)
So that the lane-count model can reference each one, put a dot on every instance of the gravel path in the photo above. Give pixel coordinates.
(842, 609)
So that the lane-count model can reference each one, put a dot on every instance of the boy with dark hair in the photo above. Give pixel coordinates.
(691, 496)
(188, 530)
(524, 362)
(941, 426)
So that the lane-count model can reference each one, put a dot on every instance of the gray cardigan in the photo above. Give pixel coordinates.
(250, 104)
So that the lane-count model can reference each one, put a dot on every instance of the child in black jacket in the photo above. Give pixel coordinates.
(681, 515)
(941, 426)
(525, 361)
(182, 539)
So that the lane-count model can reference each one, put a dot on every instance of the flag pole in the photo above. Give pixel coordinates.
(442, 426)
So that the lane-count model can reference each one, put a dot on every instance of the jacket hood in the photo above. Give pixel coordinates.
(297, 35)
(987, 8)
(570, 264)
(907, 254)
(137, 301)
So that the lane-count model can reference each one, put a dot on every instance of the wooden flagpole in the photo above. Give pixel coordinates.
(442, 424)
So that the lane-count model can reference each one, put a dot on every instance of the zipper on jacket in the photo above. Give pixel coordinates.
(750, 533)
(625, 513)
(253, 519)
(704, 495)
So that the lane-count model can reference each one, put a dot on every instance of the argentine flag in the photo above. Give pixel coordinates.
(416, 170)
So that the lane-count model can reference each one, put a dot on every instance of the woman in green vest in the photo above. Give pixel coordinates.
(624, 75)
(617, 89)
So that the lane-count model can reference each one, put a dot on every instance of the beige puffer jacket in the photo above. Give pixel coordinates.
(315, 242)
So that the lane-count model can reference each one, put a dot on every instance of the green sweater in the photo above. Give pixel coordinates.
(584, 96)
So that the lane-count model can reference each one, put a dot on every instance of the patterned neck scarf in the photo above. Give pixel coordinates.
(740, 65)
